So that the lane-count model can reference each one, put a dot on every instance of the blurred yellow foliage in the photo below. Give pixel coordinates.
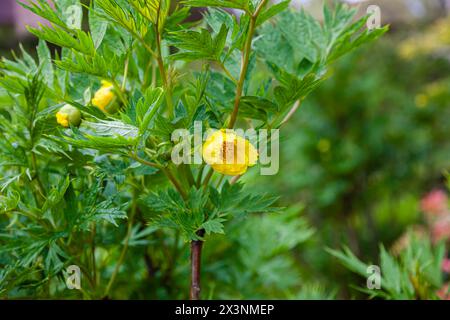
(434, 39)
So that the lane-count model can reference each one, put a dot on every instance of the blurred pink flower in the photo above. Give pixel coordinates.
(23, 17)
(435, 203)
(440, 229)
(446, 265)
(443, 292)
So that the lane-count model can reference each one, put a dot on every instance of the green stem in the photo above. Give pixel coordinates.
(244, 64)
(188, 174)
(287, 117)
(220, 181)
(125, 74)
(124, 249)
(166, 171)
(39, 185)
(227, 72)
(174, 181)
(200, 175)
(235, 179)
(208, 177)
(119, 91)
(143, 161)
(162, 71)
(94, 268)
(146, 73)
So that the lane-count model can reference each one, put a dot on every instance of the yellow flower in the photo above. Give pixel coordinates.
(228, 153)
(104, 98)
(62, 119)
(68, 115)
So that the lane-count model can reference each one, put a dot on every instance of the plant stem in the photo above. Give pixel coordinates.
(196, 255)
(143, 161)
(39, 185)
(166, 171)
(174, 181)
(220, 181)
(200, 176)
(227, 72)
(162, 71)
(290, 113)
(287, 117)
(235, 179)
(124, 249)
(244, 63)
(187, 172)
(208, 177)
(242, 74)
(119, 91)
(125, 73)
(93, 264)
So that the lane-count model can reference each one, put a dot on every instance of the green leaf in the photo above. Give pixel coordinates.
(120, 13)
(112, 129)
(56, 195)
(82, 41)
(45, 63)
(155, 11)
(42, 8)
(271, 11)
(392, 273)
(235, 4)
(214, 226)
(147, 107)
(97, 27)
(235, 201)
(256, 107)
(105, 210)
(96, 65)
(304, 34)
(195, 45)
(106, 136)
(9, 202)
(73, 15)
(176, 213)
(349, 260)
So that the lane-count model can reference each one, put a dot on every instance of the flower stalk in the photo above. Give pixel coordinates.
(244, 64)
(196, 255)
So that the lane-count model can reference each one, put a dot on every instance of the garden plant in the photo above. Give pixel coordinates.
(90, 176)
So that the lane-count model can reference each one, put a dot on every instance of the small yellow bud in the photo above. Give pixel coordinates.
(68, 115)
(104, 98)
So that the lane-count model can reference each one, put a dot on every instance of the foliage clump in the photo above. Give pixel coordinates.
(104, 194)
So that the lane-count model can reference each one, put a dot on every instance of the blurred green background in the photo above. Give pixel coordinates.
(363, 150)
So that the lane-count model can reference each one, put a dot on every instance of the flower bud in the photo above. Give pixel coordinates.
(68, 116)
(105, 99)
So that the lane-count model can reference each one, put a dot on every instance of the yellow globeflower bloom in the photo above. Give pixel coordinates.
(68, 115)
(104, 98)
(229, 153)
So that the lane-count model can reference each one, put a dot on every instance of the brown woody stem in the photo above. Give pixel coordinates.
(196, 255)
